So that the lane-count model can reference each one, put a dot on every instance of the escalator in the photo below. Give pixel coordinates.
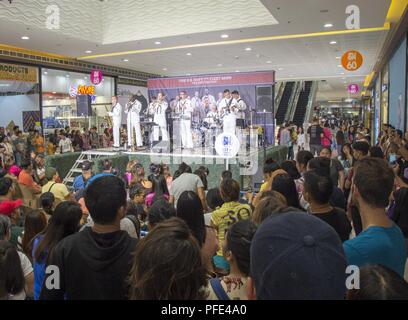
(284, 103)
(302, 104)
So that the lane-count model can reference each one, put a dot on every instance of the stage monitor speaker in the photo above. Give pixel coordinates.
(264, 98)
(84, 102)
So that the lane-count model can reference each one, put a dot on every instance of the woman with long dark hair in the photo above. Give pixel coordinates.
(181, 275)
(64, 222)
(284, 184)
(35, 222)
(159, 190)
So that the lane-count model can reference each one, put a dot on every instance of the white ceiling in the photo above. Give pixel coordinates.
(126, 25)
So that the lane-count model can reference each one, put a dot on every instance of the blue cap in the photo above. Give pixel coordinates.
(295, 255)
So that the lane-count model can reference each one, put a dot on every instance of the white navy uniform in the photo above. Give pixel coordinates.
(185, 109)
(133, 122)
(229, 117)
(116, 115)
(240, 109)
(160, 119)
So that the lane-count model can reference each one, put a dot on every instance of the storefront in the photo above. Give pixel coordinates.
(384, 94)
(19, 96)
(60, 100)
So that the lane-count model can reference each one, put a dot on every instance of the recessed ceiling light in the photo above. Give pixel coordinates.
(157, 42)
(45, 72)
(188, 53)
(338, 58)
(188, 74)
(25, 38)
(88, 51)
(328, 25)
(333, 42)
(224, 36)
(86, 78)
(164, 69)
(280, 69)
(268, 61)
(248, 49)
(219, 65)
(236, 70)
(54, 92)
(67, 75)
(125, 60)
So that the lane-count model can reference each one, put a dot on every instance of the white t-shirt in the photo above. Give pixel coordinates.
(65, 145)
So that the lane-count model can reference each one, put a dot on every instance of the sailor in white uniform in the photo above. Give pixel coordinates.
(132, 109)
(227, 108)
(159, 118)
(116, 115)
(185, 109)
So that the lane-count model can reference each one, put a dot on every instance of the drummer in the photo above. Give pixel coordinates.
(213, 115)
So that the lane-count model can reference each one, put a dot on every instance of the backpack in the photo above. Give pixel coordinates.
(135, 222)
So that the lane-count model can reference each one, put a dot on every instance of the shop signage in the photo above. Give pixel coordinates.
(353, 88)
(352, 60)
(96, 77)
(13, 72)
(81, 90)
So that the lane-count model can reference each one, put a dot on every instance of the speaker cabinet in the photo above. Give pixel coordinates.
(84, 102)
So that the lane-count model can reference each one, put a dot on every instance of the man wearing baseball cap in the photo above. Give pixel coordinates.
(11, 209)
(297, 256)
(58, 189)
(80, 181)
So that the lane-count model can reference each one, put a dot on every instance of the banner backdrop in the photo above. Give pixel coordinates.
(246, 83)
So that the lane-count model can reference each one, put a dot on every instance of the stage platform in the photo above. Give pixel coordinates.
(246, 167)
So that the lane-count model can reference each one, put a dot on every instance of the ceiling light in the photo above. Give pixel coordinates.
(188, 74)
(45, 72)
(157, 42)
(125, 60)
(224, 36)
(25, 38)
(236, 70)
(338, 58)
(219, 65)
(86, 78)
(67, 75)
(328, 25)
(54, 92)
(164, 69)
(339, 66)
(188, 53)
(248, 49)
(268, 61)
(333, 42)
(280, 69)
(88, 51)
(342, 73)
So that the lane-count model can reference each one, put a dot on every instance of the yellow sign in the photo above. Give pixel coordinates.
(14, 72)
(86, 90)
(352, 60)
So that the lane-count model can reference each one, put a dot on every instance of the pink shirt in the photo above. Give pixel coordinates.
(326, 140)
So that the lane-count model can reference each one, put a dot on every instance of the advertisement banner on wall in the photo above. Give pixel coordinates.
(397, 87)
(13, 72)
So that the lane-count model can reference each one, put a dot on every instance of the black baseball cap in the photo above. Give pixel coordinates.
(86, 165)
(296, 255)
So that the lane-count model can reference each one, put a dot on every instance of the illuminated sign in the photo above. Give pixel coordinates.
(82, 90)
(352, 60)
